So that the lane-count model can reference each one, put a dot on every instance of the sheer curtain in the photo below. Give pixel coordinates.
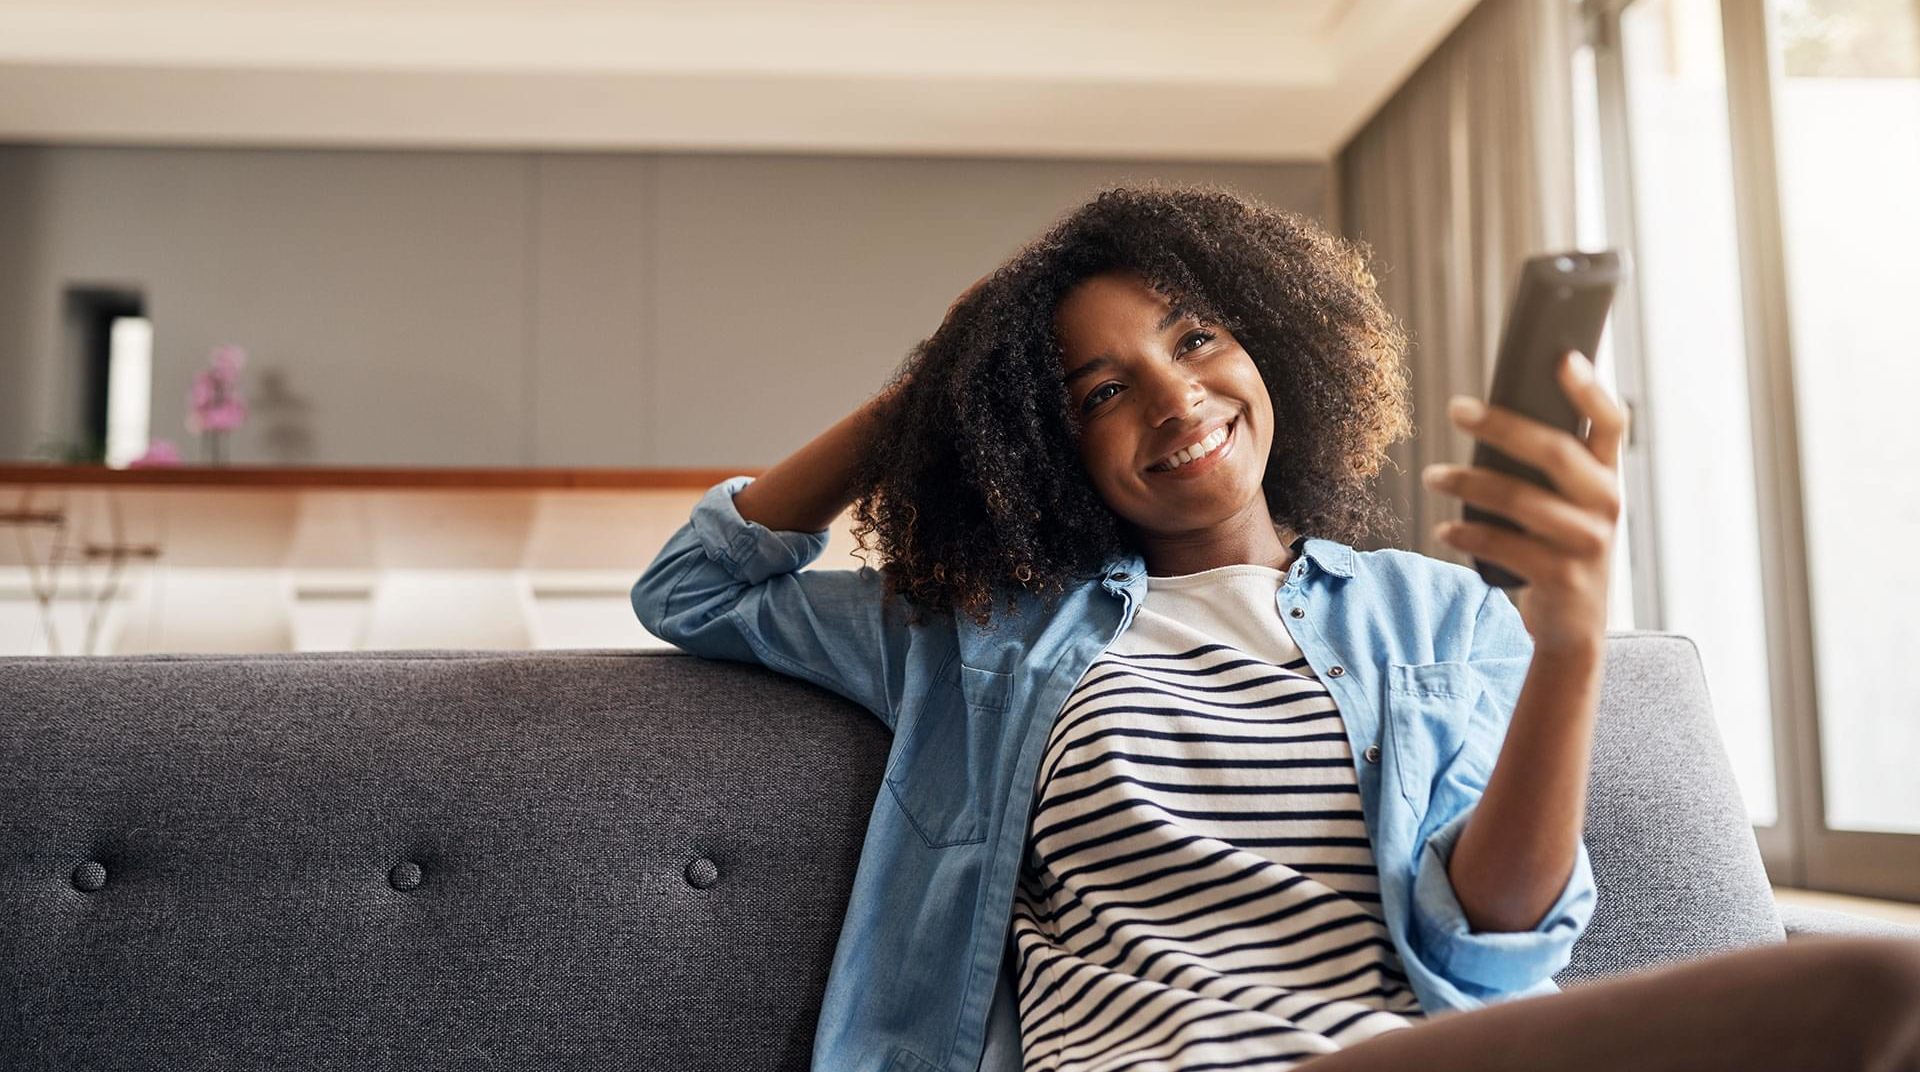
(1465, 172)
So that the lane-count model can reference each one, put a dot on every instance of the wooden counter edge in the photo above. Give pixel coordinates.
(280, 476)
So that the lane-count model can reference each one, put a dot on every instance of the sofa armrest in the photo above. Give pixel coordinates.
(1803, 921)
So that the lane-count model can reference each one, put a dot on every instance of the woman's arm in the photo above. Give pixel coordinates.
(732, 583)
(1517, 850)
(1514, 857)
(808, 489)
(1450, 929)
(1520, 845)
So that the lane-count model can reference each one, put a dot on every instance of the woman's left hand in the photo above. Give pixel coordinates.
(1566, 547)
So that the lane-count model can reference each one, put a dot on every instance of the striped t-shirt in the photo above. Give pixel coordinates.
(1198, 888)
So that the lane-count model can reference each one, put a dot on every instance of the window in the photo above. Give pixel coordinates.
(1847, 121)
(1694, 359)
(1757, 158)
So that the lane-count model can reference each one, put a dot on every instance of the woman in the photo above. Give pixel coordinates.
(1221, 790)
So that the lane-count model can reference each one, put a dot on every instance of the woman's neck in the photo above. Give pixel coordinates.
(1255, 540)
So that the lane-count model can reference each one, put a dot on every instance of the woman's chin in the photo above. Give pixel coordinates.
(1197, 508)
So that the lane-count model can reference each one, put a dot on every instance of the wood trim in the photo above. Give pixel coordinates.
(249, 476)
(1868, 864)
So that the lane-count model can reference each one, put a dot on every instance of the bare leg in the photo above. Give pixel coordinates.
(1828, 1004)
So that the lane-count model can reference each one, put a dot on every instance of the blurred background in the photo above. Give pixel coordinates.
(344, 324)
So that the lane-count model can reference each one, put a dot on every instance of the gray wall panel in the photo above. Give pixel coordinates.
(490, 308)
(592, 295)
(19, 259)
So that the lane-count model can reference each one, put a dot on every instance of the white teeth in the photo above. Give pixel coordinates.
(1194, 453)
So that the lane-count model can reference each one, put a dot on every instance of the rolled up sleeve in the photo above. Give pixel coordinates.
(749, 551)
(724, 587)
(1493, 964)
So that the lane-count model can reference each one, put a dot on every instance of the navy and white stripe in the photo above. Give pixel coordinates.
(1199, 889)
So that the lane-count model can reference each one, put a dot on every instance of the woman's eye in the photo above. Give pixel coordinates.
(1204, 337)
(1094, 397)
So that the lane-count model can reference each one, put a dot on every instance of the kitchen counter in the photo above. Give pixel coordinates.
(232, 558)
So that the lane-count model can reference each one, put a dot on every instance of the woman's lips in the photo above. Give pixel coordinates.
(1201, 467)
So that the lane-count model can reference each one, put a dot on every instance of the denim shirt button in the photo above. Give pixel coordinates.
(1336, 671)
(1373, 753)
(1298, 613)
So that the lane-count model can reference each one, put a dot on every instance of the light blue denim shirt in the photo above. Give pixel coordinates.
(1424, 660)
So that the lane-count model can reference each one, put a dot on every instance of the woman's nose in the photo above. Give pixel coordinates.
(1175, 396)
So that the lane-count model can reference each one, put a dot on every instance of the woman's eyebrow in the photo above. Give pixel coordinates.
(1088, 369)
(1174, 316)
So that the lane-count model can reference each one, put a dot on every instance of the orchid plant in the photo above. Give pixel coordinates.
(215, 405)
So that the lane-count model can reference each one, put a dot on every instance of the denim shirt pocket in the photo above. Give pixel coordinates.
(1428, 708)
(940, 767)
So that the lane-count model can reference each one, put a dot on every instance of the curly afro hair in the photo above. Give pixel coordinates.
(977, 489)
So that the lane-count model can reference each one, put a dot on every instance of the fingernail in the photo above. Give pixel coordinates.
(1581, 368)
(1466, 408)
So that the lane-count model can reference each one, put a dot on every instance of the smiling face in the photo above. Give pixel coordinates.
(1146, 383)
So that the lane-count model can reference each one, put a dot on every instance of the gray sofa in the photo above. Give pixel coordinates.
(573, 859)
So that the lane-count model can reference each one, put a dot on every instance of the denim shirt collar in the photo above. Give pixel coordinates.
(1127, 570)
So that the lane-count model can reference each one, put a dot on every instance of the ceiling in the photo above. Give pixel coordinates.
(1203, 79)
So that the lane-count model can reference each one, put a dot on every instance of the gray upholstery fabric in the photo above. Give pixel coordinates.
(556, 860)
(1673, 851)
(627, 861)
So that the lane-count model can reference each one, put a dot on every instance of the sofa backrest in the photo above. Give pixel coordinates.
(532, 860)
(1673, 850)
